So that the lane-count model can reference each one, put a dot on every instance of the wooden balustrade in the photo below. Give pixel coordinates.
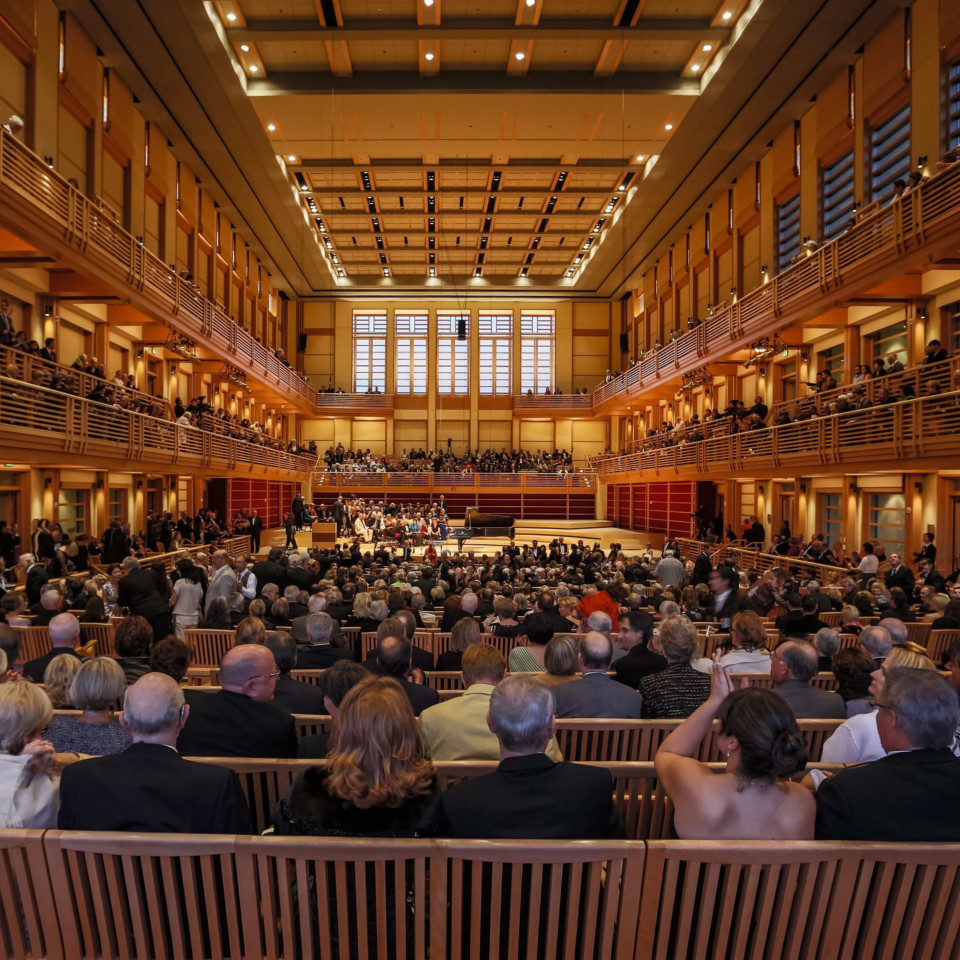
(925, 216)
(426, 481)
(897, 432)
(553, 403)
(362, 401)
(47, 422)
(61, 209)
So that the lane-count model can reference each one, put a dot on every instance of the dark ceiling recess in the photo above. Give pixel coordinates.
(629, 12)
(328, 12)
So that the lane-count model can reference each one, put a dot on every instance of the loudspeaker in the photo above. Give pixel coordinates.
(301, 343)
(624, 342)
(462, 328)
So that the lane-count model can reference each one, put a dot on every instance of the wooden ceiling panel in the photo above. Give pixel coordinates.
(278, 9)
(475, 54)
(383, 54)
(570, 54)
(309, 55)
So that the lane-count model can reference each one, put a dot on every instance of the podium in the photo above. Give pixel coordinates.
(324, 535)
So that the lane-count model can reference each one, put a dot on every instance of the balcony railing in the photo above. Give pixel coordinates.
(366, 401)
(553, 402)
(39, 420)
(427, 480)
(75, 219)
(925, 427)
(919, 217)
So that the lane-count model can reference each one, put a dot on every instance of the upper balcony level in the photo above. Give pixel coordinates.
(47, 210)
(920, 226)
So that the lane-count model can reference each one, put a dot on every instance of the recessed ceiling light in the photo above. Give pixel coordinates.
(669, 126)
(245, 47)
(254, 68)
(519, 55)
(428, 56)
(707, 47)
(531, 3)
(727, 15)
(641, 158)
(271, 127)
(695, 68)
(428, 3)
(292, 158)
(231, 17)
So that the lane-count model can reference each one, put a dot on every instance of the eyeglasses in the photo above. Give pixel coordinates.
(267, 676)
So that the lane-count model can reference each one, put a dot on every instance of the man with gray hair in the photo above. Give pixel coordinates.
(896, 629)
(224, 582)
(910, 795)
(320, 652)
(240, 720)
(51, 602)
(601, 622)
(827, 642)
(877, 643)
(298, 627)
(64, 631)
(529, 796)
(596, 694)
(792, 666)
(669, 571)
(149, 787)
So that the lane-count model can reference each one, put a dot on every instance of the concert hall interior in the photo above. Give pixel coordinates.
(449, 421)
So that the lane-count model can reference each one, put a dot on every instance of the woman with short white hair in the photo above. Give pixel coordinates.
(96, 690)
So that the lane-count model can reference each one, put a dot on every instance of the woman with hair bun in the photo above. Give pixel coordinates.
(754, 798)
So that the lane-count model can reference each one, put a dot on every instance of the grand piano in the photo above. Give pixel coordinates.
(479, 524)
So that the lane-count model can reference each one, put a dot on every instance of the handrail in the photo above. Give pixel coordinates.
(894, 229)
(85, 428)
(376, 401)
(213, 424)
(573, 401)
(81, 223)
(426, 480)
(922, 427)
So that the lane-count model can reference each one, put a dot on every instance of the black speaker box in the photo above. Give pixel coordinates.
(462, 328)
(301, 342)
(624, 342)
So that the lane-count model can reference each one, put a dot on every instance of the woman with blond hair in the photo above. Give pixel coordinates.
(561, 660)
(376, 781)
(749, 638)
(857, 740)
(29, 769)
(464, 633)
(57, 679)
(96, 690)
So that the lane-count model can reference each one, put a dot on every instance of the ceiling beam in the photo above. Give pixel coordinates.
(484, 30)
(551, 165)
(465, 82)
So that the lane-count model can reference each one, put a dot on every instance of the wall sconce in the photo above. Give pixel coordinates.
(48, 310)
(803, 488)
(921, 162)
(760, 488)
(139, 353)
(804, 356)
(763, 269)
(854, 488)
(47, 481)
(139, 484)
(763, 372)
(918, 486)
(99, 483)
(921, 313)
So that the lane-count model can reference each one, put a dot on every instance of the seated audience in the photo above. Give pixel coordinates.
(402, 624)
(850, 620)
(171, 657)
(131, 643)
(528, 656)
(754, 798)
(394, 658)
(529, 796)
(909, 795)
(638, 661)
(505, 623)
(96, 690)
(749, 639)
(239, 720)
(899, 608)
(561, 660)
(457, 729)
(464, 633)
(595, 694)
(793, 665)
(64, 632)
(854, 672)
(858, 740)
(320, 652)
(58, 678)
(294, 696)
(677, 690)
(149, 787)
(607, 600)
(545, 615)
(951, 617)
(29, 769)
(335, 683)
(827, 642)
(376, 781)
(877, 642)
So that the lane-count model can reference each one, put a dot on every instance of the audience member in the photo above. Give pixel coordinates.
(95, 691)
(335, 683)
(529, 796)
(792, 666)
(394, 657)
(138, 592)
(239, 720)
(596, 694)
(677, 690)
(64, 632)
(918, 779)
(149, 787)
(854, 672)
(294, 696)
(749, 638)
(320, 652)
(754, 798)
(638, 661)
(58, 678)
(877, 642)
(827, 642)
(131, 643)
(465, 632)
(561, 660)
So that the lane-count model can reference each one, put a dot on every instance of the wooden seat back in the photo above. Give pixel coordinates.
(830, 617)
(34, 642)
(919, 632)
(209, 646)
(308, 676)
(938, 644)
(103, 634)
(28, 913)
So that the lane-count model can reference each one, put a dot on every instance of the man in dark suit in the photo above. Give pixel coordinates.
(917, 783)
(138, 592)
(256, 530)
(702, 568)
(149, 787)
(37, 576)
(270, 571)
(394, 660)
(400, 624)
(51, 603)
(64, 637)
(931, 578)
(636, 631)
(297, 575)
(291, 695)
(296, 508)
(240, 720)
(545, 615)
(339, 512)
(727, 602)
(529, 796)
(596, 694)
(49, 351)
(900, 576)
(6, 323)
(792, 666)
(320, 652)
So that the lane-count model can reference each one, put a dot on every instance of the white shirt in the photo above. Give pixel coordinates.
(869, 563)
(746, 661)
(855, 741)
(248, 584)
(27, 801)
